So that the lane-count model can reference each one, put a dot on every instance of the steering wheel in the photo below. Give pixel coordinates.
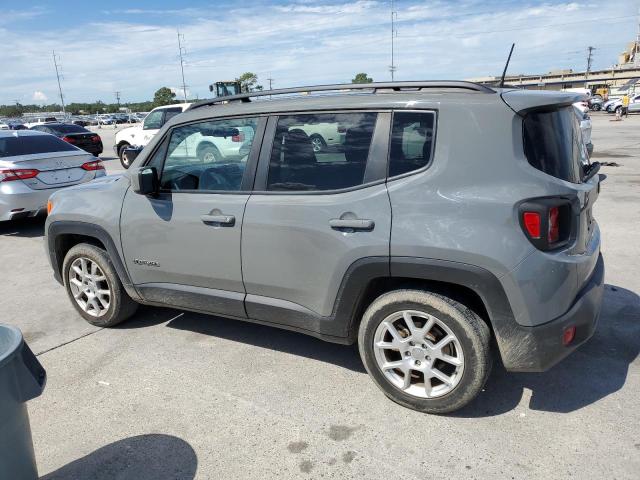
(215, 180)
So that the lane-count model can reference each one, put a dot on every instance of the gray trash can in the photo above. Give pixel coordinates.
(21, 379)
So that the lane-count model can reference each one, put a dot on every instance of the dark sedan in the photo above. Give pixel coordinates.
(75, 135)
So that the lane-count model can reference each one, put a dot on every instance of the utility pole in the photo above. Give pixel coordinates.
(589, 63)
(270, 80)
(118, 99)
(182, 52)
(394, 33)
(55, 63)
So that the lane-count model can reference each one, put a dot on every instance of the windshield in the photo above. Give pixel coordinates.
(32, 144)
(553, 144)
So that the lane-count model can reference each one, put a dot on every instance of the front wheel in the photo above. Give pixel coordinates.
(424, 350)
(94, 288)
(124, 161)
(318, 143)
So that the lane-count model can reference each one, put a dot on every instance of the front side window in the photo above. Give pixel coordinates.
(208, 155)
(153, 121)
(321, 151)
(411, 141)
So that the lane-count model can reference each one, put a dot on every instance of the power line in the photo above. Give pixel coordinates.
(181, 52)
(55, 63)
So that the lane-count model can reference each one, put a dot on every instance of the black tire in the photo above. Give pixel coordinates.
(618, 111)
(318, 143)
(121, 306)
(123, 159)
(208, 153)
(472, 333)
(597, 107)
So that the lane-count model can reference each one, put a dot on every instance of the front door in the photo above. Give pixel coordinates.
(318, 213)
(182, 246)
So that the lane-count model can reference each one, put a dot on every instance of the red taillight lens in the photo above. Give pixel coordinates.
(69, 139)
(238, 138)
(96, 139)
(342, 129)
(568, 335)
(18, 174)
(531, 222)
(554, 225)
(91, 166)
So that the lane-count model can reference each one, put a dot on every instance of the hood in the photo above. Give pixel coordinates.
(127, 131)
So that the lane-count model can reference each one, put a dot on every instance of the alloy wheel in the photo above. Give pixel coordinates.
(418, 354)
(89, 286)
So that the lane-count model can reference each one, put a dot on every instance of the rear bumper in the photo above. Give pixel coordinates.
(536, 349)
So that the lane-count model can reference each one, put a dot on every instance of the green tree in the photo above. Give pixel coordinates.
(163, 96)
(248, 82)
(362, 78)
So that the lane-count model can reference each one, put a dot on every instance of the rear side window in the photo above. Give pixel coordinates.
(322, 151)
(32, 144)
(411, 141)
(553, 143)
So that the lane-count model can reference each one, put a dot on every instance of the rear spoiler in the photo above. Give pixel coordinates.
(521, 101)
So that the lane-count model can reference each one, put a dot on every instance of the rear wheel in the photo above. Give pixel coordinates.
(94, 287)
(123, 158)
(425, 351)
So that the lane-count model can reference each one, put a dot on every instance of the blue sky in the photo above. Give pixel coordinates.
(131, 46)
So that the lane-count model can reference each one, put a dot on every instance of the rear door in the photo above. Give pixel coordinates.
(313, 214)
(182, 246)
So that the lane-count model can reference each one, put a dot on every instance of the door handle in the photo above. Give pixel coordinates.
(224, 220)
(352, 224)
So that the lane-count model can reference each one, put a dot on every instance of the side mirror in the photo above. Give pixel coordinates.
(145, 181)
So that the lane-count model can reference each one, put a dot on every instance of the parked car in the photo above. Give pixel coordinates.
(33, 121)
(596, 102)
(16, 126)
(455, 217)
(74, 134)
(33, 165)
(140, 135)
(4, 126)
(582, 114)
(615, 106)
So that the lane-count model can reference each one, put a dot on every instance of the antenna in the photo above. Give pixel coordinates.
(182, 52)
(55, 63)
(506, 65)
(394, 33)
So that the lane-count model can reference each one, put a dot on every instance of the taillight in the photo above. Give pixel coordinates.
(18, 174)
(531, 222)
(69, 139)
(91, 166)
(342, 129)
(568, 335)
(238, 138)
(547, 222)
(95, 139)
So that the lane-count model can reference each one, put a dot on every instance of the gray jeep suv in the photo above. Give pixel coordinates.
(451, 224)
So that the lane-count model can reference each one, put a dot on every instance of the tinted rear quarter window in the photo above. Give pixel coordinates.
(68, 129)
(553, 143)
(411, 141)
(32, 144)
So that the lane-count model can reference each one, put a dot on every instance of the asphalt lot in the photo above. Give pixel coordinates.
(180, 395)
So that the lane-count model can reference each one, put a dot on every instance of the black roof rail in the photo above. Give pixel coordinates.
(376, 86)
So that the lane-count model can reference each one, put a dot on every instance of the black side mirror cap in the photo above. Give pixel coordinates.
(145, 181)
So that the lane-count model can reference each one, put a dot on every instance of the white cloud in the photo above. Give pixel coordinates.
(39, 97)
(306, 42)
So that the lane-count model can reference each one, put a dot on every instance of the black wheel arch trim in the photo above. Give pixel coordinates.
(64, 227)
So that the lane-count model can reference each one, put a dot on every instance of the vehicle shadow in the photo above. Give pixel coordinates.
(25, 227)
(594, 371)
(345, 356)
(143, 457)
